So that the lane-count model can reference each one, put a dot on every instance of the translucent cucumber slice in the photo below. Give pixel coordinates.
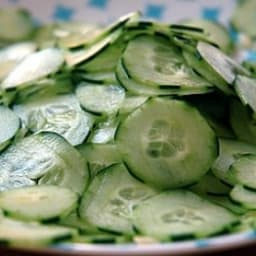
(108, 203)
(46, 158)
(34, 67)
(56, 113)
(246, 90)
(100, 99)
(179, 214)
(165, 133)
(159, 63)
(10, 124)
(230, 151)
(215, 32)
(223, 65)
(245, 197)
(39, 203)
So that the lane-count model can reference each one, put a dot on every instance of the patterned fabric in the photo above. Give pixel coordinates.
(103, 11)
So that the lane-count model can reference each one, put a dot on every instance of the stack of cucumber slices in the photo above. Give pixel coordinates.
(138, 131)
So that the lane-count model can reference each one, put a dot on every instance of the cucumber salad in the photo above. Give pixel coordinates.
(136, 132)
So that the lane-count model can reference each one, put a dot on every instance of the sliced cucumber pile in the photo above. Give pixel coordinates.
(137, 131)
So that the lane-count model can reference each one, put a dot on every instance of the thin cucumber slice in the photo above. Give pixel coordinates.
(56, 113)
(81, 56)
(46, 158)
(17, 233)
(205, 70)
(215, 31)
(110, 198)
(11, 55)
(230, 150)
(242, 122)
(223, 65)
(210, 185)
(167, 145)
(35, 66)
(10, 124)
(179, 214)
(243, 18)
(159, 63)
(243, 171)
(100, 99)
(74, 34)
(99, 156)
(17, 52)
(246, 90)
(39, 203)
(17, 24)
(244, 196)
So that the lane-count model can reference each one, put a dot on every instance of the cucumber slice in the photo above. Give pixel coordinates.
(243, 18)
(246, 90)
(56, 113)
(110, 198)
(223, 65)
(58, 163)
(159, 63)
(244, 196)
(243, 171)
(10, 124)
(100, 99)
(205, 70)
(81, 56)
(108, 153)
(230, 150)
(179, 214)
(11, 55)
(17, 233)
(167, 145)
(39, 203)
(35, 66)
(130, 103)
(17, 24)
(215, 31)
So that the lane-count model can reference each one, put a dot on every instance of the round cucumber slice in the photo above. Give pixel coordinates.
(159, 63)
(179, 214)
(35, 66)
(167, 143)
(100, 98)
(38, 203)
